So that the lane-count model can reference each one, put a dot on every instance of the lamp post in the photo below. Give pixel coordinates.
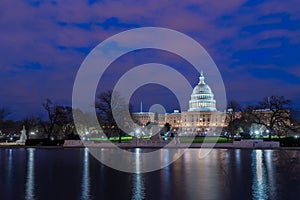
(257, 133)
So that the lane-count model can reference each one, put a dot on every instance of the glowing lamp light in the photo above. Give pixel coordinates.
(137, 131)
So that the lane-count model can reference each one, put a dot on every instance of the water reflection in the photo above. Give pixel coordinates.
(9, 178)
(237, 153)
(165, 174)
(85, 182)
(223, 174)
(9, 164)
(138, 189)
(271, 170)
(202, 175)
(29, 187)
(259, 185)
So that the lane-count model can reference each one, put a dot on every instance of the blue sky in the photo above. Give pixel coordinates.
(255, 44)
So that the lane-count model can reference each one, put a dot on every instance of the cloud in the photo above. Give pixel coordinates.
(46, 41)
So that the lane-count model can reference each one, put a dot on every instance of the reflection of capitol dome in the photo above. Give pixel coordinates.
(202, 98)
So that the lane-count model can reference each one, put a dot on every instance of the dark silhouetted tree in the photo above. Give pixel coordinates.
(235, 118)
(274, 113)
(65, 120)
(32, 123)
(52, 117)
(60, 119)
(105, 104)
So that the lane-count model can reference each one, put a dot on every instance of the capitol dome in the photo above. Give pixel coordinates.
(202, 98)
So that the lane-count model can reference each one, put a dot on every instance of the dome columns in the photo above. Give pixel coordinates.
(202, 98)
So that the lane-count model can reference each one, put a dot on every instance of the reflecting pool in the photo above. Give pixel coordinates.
(29, 173)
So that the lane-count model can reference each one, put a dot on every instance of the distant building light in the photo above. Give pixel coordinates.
(296, 136)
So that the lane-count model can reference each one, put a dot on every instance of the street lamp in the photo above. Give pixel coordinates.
(296, 136)
(137, 132)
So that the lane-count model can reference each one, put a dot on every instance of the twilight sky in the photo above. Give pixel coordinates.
(255, 44)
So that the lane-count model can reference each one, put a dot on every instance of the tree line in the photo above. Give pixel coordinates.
(272, 116)
(59, 122)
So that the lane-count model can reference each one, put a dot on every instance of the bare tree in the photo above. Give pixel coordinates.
(85, 123)
(60, 119)
(52, 117)
(105, 105)
(234, 118)
(64, 120)
(32, 123)
(274, 113)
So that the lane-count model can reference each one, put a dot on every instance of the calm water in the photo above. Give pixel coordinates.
(224, 174)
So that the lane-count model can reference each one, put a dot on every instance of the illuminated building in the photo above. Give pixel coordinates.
(201, 118)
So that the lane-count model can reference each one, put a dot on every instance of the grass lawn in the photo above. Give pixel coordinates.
(127, 139)
(206, 139)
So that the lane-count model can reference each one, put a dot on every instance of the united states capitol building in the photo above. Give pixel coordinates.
(201, 118)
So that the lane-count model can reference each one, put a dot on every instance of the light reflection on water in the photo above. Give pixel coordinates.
(138, 188)
(270, 170)
(29, 193)
(238, 158)
(223, 174)
(9, 164)
(165, 175)
(85, 181)
(259, 185)
(9, 171)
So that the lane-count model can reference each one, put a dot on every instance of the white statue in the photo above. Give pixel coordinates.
(23, 137)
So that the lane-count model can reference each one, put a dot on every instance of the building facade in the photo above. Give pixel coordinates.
(201, 118)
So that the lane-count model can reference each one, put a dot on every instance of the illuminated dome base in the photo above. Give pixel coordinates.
(202, 98)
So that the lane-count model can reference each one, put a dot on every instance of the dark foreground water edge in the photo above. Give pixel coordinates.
(30, 173)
